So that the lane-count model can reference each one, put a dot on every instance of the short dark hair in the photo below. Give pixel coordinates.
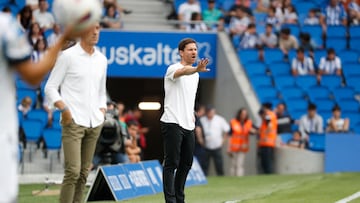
(312, 106)
(251, 25)
(300, 50)
(267, 105)
(132, 122)
(184, 42)
(269, 25)
(285, 31)
(330, 51)
(336, 108)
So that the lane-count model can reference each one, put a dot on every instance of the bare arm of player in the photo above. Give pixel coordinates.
(34, 73)
(189, 70)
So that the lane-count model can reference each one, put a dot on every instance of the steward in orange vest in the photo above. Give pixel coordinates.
(239, 140)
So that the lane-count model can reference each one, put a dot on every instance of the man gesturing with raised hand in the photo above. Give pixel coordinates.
(178, 120)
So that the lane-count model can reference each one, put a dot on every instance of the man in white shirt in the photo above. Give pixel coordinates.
(216, 129)
(311, 122)
(330, 64)
(16, 57)
(301, 64)
(178, 120)
(185, 11)
(43, 16)
(80, 74)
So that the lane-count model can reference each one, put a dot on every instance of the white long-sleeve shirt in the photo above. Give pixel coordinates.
(81, 79)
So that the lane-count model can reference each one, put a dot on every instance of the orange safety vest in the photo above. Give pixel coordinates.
(268, 132)
(239, 140)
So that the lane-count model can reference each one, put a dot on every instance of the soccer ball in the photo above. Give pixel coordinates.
(84, 13)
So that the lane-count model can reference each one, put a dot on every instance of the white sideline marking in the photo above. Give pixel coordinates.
(349, 198)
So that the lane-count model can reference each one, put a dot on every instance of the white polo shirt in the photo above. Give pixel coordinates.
(214, 130)
(330, 66)
(14, 48)
(81, 79)
(179, 102)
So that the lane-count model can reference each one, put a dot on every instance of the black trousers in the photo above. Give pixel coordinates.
(267, 159)
(216, 154)
(178, 155)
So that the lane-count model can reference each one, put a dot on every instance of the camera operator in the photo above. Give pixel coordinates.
(110, 148)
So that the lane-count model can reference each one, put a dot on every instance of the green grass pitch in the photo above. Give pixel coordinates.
(314, 188)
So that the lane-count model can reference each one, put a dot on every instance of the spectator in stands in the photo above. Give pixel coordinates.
(268, 39)
(312, 18)
(35, 33)
(354, 13)
(241, 127)
(133, 150)
(34, 4)
(263, 6)
(287, 42)
(336, 123)
(333, 14)
(213, 17)
(330, 64)
(43, 16)
(55, 35)
(243, 5)
(239, 22)
(291, 16)
(216, 129)
(111, 19)
(301, 64)
(185, 11)
(307, 43)
(119, 8)
(136, 116)
(25, 105)
(296, 141)
(250, 39)
(25, 17)
(196, 24)
(284, 120)
(272, 19)
(311, 122)
(40, 49)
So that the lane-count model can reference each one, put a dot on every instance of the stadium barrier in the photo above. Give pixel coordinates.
(126, 181)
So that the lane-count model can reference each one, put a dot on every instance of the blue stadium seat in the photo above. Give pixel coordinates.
(356, 129)
(317, 142)
(348, 56)
(355, 43)
(318, 93)
(297, 105)
(343, 93)
(267, 93)
(336, 31)
(306, 81)
(296, 114)
(285, 137)
(323, 105)
(283, 82)
(294, 29)
(315, 31)
(354, 82)
(22, 93)
(331, 81)
(21, 84)
(255, 68)
(248, 55)
(305, 6)
(338, 43)
(261, 81)
(292, 93)
(52, 138)
(354, 31)
(273, 55)
(354, 118)
(326, 115)
(38, 114)
(318, 54)
(349, 106)
(351, 70)
(280, 68)
(259, 17)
